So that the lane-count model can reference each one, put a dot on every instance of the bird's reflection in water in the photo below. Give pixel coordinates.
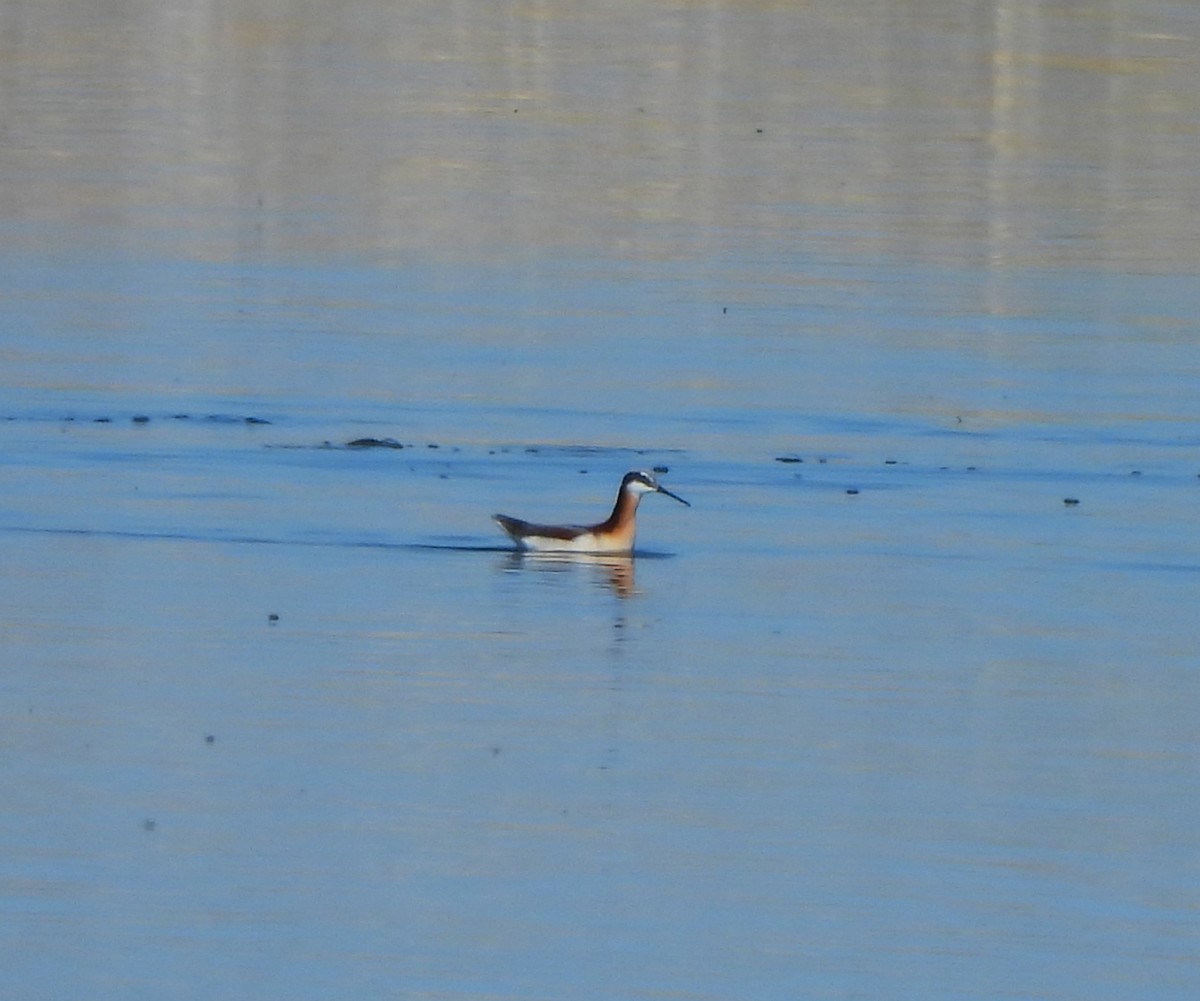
(613, 571)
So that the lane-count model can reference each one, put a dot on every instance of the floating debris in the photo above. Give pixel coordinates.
(210, 418)
(1070, 501)
(374, 443)
(231, 419)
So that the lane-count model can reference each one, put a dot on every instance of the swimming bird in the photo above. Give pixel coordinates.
(613, 535)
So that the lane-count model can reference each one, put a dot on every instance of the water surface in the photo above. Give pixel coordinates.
(905, 705)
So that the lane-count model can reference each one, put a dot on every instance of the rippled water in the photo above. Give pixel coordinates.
(904, 706)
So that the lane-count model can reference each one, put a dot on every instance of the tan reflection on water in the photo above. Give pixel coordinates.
(613, 571)
(999, 134)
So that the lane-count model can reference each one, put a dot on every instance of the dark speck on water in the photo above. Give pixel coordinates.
(233, 419)
(375, 443)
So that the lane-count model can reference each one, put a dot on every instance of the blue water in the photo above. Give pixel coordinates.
(892, 741)
(904, 706)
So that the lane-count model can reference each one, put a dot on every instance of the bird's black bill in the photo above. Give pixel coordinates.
(664, 490)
